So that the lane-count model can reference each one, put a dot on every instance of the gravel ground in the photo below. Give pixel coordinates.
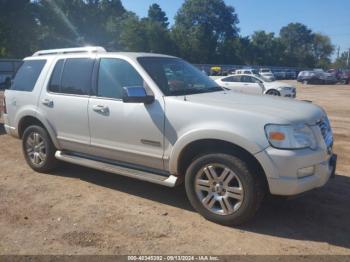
(82, 211)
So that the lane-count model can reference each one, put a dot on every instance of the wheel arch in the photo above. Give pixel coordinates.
(29, 120)
(202, 146)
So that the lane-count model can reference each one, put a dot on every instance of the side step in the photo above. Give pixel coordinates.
(169, 181)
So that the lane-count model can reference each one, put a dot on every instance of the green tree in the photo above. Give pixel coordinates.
(133, 37)
(341, 61)
(201, 26)
(297, 39)
(18, 28)
(322, 49)
(156, 14)
(77, 22)
(266, 49)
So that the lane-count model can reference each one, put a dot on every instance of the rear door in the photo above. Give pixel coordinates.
(65, 102)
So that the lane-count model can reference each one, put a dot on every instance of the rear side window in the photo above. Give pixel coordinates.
(27, 75)
(76, 76)
(231, 79)
(55, 81)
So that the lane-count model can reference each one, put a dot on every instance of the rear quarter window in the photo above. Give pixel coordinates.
(27, 75)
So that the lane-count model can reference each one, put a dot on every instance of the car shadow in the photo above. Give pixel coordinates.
(322, 215)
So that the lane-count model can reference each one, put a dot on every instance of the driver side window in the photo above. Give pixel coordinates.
(114, 74)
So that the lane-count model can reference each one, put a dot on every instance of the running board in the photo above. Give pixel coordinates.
(169, 181)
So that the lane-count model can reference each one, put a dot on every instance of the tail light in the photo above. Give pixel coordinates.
(4, 105)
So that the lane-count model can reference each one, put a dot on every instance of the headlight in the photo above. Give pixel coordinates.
(290, 137)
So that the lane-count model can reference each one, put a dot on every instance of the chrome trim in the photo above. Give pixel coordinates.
(169, 181)
(151, 143)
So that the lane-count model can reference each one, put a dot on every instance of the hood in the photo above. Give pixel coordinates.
(276, 110)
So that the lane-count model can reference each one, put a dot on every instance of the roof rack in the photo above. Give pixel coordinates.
(86, 49)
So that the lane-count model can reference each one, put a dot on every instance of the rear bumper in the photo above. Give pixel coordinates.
(282, 168)
(9, 129)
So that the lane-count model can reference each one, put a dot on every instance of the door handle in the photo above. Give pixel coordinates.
(47, 102)
(100, 108)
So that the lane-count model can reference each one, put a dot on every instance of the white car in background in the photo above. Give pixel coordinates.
(267, 73)
(253, 84)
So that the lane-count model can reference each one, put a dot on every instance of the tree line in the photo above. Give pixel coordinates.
(204, 31)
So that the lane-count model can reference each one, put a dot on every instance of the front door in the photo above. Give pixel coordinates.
(126, 132)
(250, 86)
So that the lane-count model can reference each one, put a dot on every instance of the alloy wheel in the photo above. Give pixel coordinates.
(36, 149)
(219, 189)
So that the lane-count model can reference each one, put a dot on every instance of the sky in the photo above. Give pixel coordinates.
(330, 17)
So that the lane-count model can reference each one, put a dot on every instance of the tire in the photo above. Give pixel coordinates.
(273, 92)
(305, 82)
(38, 149)
(343, 82)
(248, 188)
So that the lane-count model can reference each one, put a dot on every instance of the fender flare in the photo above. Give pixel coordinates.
(197, 135)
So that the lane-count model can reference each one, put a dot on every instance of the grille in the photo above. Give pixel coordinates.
(326, 131)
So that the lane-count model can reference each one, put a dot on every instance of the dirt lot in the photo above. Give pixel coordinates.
(82, 211)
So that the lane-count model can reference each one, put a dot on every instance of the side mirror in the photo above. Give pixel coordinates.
(136, 94)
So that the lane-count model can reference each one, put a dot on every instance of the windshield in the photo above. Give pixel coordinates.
(265, 71)
(176, 77)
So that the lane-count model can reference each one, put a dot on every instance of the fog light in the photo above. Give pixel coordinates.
(306, 171)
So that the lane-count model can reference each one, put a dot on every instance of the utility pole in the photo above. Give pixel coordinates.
(347, 60)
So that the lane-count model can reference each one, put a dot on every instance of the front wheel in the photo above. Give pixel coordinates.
(273, 92)
(222, 188)
(38, 149)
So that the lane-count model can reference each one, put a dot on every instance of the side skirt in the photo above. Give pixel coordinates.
(169, 180)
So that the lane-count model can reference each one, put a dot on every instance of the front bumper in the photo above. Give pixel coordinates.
(281, 168)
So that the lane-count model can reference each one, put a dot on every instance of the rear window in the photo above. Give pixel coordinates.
(27, 75)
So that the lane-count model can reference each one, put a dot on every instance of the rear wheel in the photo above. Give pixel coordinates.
(223, 189)
(38, 149)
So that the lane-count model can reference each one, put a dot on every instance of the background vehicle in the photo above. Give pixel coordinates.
(316, 77)
(86, 106)
(279, 74)
(253, 84)
(8, 67)
(247, 71)
(267, 74)
(344, 77)
(291, 74)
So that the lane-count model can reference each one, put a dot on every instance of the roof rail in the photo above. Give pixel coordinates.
(86, 49)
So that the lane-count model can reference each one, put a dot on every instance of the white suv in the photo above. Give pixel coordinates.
(157, 118)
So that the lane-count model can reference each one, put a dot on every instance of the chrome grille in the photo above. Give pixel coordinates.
(326, 131)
